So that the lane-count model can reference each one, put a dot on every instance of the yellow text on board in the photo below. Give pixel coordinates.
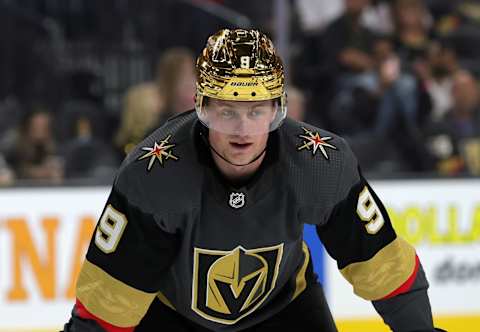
(44, 267)
(420, 224)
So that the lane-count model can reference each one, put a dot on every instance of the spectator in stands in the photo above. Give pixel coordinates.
(6, 174)
(33, 154)
(381, 105)
(381, 109)
(378, 17)
(315, 15)
(456, 139)
(458, 19)
(11, 112)
(412, 29)
(332, 59)
(296, 104)
(86, 154)
(148, 105)
(436, 75)
(175, 78)
(374, 100)
(142, 105)
(348, 43)
(412, 42)
(368, 65)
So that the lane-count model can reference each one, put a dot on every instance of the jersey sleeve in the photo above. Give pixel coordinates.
(381, 266)
(128, 253)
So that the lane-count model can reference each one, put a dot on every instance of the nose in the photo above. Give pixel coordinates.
(241, 126)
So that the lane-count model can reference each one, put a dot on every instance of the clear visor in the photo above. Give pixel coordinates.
(243, 118)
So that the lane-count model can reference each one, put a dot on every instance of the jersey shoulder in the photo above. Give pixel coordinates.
(314, 148)
(162, 174)
(320, 164)
(306, 137)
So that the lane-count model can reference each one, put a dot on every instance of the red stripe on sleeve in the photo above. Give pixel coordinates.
(405, 287)
(85, 314)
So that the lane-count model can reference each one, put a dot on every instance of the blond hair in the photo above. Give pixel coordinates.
(167, 72)
(141, 110)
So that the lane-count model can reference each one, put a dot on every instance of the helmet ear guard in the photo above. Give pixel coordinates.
(240, 65)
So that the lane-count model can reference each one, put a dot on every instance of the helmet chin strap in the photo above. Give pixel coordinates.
(225, 159)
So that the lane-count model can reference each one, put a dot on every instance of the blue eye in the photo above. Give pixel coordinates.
(256, 113)
(227, 114)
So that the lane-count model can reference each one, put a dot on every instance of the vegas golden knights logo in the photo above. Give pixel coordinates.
(229, 285)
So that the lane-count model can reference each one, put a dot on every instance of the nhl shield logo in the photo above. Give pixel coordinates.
(237, 200)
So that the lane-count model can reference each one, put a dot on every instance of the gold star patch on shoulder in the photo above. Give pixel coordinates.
(314, 142)
(160, 152)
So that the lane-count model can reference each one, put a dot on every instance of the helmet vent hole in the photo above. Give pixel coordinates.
(235, 93)
(253, 94)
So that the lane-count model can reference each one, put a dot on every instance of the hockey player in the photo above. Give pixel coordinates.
(202, 230)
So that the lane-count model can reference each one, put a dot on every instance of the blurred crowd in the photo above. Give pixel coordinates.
(83, 81)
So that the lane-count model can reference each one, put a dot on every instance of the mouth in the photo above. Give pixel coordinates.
(240, 146)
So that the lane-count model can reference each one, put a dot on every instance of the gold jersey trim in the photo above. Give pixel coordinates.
(301, 282)
(377, 277)
(110, 299)
(165, 301)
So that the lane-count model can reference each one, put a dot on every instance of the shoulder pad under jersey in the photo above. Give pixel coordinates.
(321, 166)
(162, 174)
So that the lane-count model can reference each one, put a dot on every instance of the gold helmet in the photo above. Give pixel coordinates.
(240, 65)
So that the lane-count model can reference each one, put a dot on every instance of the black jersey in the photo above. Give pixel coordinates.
(228, 257)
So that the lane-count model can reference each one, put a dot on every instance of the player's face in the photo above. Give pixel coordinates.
(243, 128)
